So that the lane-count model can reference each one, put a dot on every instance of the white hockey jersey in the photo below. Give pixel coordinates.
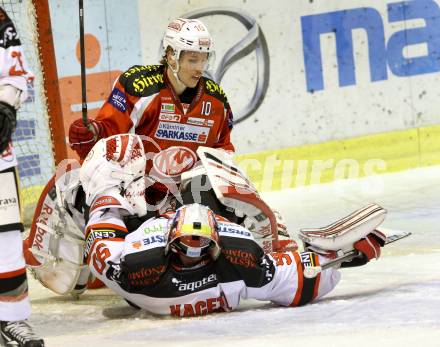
(13, 71)
(135, 266)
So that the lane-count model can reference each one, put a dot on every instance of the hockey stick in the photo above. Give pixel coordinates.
(85, 118)
(313, 271)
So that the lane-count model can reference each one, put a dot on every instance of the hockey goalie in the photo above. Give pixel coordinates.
(216, 182)
(188, 261)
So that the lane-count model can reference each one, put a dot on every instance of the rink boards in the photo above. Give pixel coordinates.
(334, 89)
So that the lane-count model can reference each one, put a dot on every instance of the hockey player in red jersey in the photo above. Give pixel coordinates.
(174, 107)
(14, 301)
(171, 103)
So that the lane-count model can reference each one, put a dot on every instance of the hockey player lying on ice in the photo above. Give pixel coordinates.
(191, 261)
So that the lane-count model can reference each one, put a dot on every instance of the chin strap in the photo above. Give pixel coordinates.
(180, 84)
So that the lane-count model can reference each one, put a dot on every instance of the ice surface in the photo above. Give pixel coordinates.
(392, 302)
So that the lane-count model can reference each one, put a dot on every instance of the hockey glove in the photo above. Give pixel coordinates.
(369, 247)
(8, 121)
(81, 139)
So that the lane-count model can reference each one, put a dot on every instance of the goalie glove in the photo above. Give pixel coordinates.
(8, 121)
(369, 248)
(115, 172)
(82, 139)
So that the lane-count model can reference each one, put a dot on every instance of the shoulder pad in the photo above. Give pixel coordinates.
(143, 80)
(213, 89)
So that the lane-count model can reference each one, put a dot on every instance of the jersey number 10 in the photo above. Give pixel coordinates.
(206, 108)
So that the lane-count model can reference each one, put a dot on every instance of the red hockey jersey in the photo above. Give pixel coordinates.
(143, 101)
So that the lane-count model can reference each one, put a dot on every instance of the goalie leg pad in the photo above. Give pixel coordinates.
(55, 246)
(341, 235)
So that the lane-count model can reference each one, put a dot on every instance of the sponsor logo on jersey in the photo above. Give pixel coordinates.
(154, 229)
(200, 121)
(227, 229)
(136, 69)
(97, 235)
(239, 257)
(192, 286)
(118, 100)
(167, 108)
(307, 259)
(185, 107)
(182, 132)
(145, 276)
(136, 244)
(142, 82)
(153, 239)
(147, 242)
(174, 160)
(169, 117)
(214, 87)
(8, 202)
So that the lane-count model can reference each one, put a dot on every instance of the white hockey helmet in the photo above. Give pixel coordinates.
(188, 35)
(193, 232)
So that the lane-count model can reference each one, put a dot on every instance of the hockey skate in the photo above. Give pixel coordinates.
(19, 334)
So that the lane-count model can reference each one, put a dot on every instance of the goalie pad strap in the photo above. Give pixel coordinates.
(307, 288)
(57, 236)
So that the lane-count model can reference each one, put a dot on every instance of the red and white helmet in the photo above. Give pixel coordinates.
(193, 232)
(188, 35)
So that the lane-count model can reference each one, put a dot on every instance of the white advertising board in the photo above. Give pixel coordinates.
(316, 70)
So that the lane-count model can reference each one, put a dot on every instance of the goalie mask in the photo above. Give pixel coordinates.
(188, 35)
(193, 232)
